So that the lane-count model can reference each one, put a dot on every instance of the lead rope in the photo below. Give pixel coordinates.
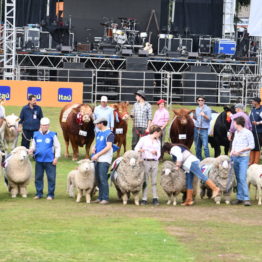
(29, 140)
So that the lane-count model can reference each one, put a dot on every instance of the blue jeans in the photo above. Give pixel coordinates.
(50, 169)
(194, 170)
(101, 169)
(240, 167)
(201, 139)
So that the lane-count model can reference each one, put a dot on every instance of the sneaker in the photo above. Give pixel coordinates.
(104, 202)
(49, 198)
(37, 197)
(155, 202)
(96, 201)
(143, 202)
(236, 202)
(246, 203)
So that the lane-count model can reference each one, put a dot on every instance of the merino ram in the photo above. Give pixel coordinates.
(18, 171)
(173, 182)
(83, 179)
(254, 177)
(221, 172)
(129, 176)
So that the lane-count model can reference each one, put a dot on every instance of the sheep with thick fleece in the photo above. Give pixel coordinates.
(83, 179)
(220, 170)
(18, 171)
(254, 177)
(173, 182)
(129, 176)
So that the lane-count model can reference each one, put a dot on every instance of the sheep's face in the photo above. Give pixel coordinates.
(166, 171)
(132, 158)
(224, 168)
(85, 166)
(21, 154)
(12, 122)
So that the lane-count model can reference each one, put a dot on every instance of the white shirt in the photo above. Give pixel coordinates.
(148, 144)
(186, 158)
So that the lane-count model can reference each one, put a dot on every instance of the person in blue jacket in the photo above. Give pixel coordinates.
(29, 120)
(46, 149)
(103, 155)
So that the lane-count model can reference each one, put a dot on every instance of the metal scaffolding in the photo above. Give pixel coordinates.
(9, 40)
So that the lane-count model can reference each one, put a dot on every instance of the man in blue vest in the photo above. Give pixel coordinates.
(46, 148)
(30, 120)
(102, 155)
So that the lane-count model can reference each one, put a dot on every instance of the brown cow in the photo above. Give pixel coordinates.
(77, 124)
(120, 129)
(182, 127)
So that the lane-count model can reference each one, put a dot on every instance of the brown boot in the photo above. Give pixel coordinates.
(257, 157)
(189, 198)
(213, 187)
(251, 158)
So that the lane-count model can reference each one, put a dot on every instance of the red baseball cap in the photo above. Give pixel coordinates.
(161, 101)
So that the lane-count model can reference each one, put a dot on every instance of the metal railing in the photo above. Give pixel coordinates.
(174, 87)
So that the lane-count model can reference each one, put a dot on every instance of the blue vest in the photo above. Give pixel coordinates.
(44, 146)
(101, 138)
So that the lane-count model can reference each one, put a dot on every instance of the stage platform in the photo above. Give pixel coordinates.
(98, 61)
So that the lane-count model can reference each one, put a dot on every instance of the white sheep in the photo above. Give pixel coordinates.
(220, 170)
(173, 182)
(83, 179)
(18, 171)
(254, 177)
(129, 176)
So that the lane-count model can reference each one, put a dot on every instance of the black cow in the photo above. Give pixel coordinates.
(221, 128)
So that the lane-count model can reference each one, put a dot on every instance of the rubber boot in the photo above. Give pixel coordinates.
(257, 157)
(213, 187)
(251, 158)
(189, 198)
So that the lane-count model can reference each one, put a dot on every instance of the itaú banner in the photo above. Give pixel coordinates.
(255, 19)
(51, 94)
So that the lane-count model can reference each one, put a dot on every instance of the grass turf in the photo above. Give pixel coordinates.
(62, 230)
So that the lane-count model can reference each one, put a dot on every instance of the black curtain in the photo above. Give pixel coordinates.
(202, 17)
(33, 11)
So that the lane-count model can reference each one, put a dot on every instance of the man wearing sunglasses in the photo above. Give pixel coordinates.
(202, 122)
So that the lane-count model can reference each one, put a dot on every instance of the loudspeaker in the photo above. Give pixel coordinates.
(134, 81)
(78, 76)
(205, 45)
(127, 52)
(45, 40)
(195, 84)
(136, 63)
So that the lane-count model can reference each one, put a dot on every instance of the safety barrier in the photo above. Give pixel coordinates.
(174, 87)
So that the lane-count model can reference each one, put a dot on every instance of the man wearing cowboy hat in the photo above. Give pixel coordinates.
(161, 118)
(142, 117)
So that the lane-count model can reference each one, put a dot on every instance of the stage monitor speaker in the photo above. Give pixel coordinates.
(142, 52)
(195, 84)
(109, 50)
(136, 63)
(127, 52)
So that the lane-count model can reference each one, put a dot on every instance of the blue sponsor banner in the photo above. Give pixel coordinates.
(36, 91)
(5, 92)
(65, 95)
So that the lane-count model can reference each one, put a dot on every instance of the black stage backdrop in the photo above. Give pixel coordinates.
(88, 14)
(204, 17)
(34, 11)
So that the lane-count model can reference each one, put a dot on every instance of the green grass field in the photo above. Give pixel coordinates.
(62, 230)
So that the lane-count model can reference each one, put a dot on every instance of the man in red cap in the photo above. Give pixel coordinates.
(161, 118)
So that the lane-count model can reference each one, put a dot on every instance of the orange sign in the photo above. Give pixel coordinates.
(51, 94)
